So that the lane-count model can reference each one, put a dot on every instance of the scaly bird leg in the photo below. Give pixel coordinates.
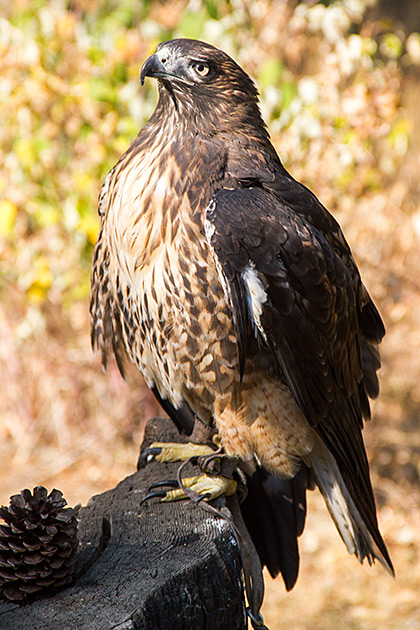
(216, 467)
(168, 452)
(198, 488)
(203, 442)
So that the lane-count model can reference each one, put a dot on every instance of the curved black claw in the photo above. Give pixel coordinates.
(173, 483)
(147, 456)
(201, 497)
(158, 493)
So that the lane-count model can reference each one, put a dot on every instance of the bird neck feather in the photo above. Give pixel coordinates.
(199, 113)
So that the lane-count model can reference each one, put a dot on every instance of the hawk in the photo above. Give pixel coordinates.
(234, 292)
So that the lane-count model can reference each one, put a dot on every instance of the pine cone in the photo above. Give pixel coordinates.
(37, 544)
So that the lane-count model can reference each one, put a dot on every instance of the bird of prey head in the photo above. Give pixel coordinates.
(203, 82)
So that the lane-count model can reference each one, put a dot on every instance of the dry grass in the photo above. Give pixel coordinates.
(65, 424)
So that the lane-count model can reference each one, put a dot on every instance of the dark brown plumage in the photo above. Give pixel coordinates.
(233, 290)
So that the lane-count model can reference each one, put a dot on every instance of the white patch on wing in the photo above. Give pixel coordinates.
(255, 295)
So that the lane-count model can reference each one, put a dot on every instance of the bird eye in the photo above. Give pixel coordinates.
(201, 68)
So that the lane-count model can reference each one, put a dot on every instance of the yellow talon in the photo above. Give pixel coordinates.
(203, 485)
(175, 452)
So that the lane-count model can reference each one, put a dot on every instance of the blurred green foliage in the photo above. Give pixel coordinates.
(70, 104)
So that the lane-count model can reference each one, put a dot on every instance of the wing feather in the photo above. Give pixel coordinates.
(105, 325)
(317, 322)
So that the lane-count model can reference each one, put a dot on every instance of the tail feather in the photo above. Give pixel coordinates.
(274, 512)
(361, 538)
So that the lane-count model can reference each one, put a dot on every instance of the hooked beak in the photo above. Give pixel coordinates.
(152, 67)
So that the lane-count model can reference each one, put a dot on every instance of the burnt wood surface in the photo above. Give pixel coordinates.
(152, 566)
